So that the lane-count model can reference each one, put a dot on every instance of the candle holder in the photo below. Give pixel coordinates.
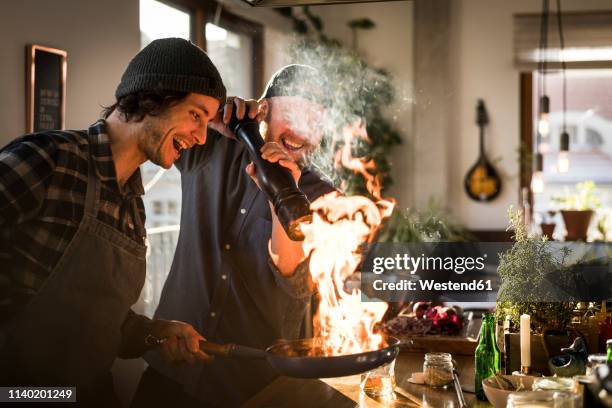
(542, 349)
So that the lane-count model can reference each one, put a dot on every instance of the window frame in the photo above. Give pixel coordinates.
(203, 12)
(526, 135)
(232, 22)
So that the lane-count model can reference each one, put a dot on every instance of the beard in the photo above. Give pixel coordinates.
(150, 143)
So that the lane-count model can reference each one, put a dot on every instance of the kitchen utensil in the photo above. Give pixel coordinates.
(458, 390)
(302, 359)
(290, 204)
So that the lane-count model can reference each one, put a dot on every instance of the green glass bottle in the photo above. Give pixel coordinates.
(609, 347)
(487, 359)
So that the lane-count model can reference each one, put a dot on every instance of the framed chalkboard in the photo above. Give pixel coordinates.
(45, 88)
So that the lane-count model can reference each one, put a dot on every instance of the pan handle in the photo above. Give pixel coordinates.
(231, 350)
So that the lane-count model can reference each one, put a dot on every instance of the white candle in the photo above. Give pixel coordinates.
(525, 341)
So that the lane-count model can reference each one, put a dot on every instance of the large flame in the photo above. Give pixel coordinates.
(334, 239)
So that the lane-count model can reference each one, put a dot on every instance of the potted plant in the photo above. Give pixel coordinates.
(577, 210)
(548, 224)
(526, 271)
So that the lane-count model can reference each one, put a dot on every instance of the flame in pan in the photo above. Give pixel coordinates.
(340, 227)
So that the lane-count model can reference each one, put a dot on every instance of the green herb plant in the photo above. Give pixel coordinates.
(531, 263)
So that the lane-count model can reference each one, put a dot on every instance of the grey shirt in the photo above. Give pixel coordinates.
(222, 280)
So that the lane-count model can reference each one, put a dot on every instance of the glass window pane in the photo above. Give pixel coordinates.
(589, 124)
(158, 20)
(232, 53)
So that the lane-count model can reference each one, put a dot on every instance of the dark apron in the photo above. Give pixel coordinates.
(69, 334)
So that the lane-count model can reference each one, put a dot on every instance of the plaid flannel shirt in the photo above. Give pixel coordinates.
(43, 181)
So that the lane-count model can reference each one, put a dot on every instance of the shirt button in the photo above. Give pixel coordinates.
(228, 247)
(242, 211)
(224, 277)
(212, 314)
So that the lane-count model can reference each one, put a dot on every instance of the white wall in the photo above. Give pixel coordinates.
(100, 37)
(483, 60)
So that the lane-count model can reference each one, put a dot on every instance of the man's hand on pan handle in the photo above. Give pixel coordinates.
(250, 107)
(177, 342)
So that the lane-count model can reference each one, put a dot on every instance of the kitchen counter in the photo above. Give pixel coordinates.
(344, 391)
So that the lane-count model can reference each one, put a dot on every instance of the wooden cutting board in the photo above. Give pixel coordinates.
(455, 345)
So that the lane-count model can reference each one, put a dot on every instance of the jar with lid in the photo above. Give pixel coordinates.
(553, 384)
(594, 361)
(438, 369)
(543, 399)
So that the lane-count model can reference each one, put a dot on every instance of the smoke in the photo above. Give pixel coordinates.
(351, 91)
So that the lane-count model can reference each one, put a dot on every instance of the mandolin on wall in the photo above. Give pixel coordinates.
(482, 183)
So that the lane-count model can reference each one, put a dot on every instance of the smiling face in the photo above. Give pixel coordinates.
(180, 127)
(293, 122)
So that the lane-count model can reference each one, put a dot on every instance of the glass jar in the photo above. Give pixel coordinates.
(553, 384)
(438, 369)
(543, 399)
(594, 361)
(379, 382)
(531, 399)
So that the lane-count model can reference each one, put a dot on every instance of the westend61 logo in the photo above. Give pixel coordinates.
(412, 264)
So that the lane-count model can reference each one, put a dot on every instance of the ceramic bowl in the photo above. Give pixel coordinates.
(498, 396)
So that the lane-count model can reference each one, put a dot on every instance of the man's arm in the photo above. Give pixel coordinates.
(299, 284)
(26, 166)
(178, 341)
(285, 253)
(134, 332)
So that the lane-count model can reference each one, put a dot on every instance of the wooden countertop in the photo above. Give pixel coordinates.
(345, 392)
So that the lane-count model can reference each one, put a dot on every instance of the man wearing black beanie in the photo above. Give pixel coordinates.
(72, 228)
(236, 276)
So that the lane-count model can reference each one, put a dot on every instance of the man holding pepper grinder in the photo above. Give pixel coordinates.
(236, 275)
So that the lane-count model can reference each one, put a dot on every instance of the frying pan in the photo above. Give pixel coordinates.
(295, 358)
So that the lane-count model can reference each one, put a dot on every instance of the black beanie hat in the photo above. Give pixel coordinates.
(296, 80)
(172, 64)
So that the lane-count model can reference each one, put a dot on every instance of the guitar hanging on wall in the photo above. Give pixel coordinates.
(482, 183)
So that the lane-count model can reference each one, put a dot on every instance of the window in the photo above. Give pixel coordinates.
(236, 46)
(172, 207)
(157, 207)
(232, 52)
(589, 124)
(176, 23)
